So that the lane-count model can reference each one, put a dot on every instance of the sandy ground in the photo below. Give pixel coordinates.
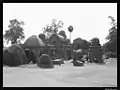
(91, 75)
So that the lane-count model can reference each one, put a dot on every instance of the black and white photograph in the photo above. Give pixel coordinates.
(59, 44)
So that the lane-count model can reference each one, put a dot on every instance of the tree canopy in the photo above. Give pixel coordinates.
(53, 27)
(15, 32)
(111, 45)
(112, 36)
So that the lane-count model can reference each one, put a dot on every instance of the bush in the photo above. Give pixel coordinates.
(111, 55)
(45, 61)
(14, 56)
(8, 58)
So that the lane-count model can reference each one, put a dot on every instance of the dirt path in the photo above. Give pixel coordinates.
(92, 75)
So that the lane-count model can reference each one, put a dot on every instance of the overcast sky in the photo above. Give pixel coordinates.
(88, 19)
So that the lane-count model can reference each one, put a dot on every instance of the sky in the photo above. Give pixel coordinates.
(88, 19)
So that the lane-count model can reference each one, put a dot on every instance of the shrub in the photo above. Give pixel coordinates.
(111, 54)
(8, 58)
(45, 61)
(14, 56)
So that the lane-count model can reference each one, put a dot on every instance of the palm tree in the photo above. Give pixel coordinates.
(70, 29)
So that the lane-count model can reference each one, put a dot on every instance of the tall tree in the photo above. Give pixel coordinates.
(112, 37)
(111, 44)
(15, 32)
(53, 28)
(70, 29)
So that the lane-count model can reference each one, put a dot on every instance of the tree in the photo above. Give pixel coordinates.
(112, 37)
(53, 28)
(63, 34)
(111, 45)
(70, 29)
(15, 32)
